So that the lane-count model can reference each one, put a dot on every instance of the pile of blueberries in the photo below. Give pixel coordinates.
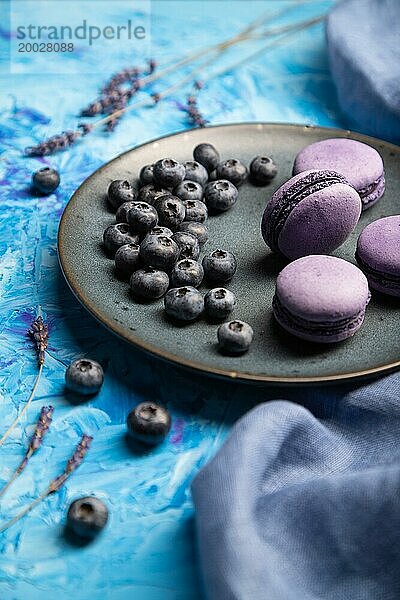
(160, 230)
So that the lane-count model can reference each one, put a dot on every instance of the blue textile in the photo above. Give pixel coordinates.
(302, 502)
(364, 50)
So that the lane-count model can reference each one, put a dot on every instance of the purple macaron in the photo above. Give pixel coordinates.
(321, 298)
(312, 213)
(378, 254)
(360, 164)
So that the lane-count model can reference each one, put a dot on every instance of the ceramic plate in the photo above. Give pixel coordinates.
(275, 356)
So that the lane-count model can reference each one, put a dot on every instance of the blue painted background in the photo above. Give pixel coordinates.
(148, 550)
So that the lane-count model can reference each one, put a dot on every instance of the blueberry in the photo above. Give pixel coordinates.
(197, 229)
(121, 216)
(149, 193)
(235, 337)
(159, 251)
(149, 283)
(219, 303)
(119, 192)
(207, 156)
(168, 173)
(184, 303)
(196, 210)
(149, 423)
(142, 217)
(84, 376)
(262, 170)
(86, 517)
(232, 170)
(46, 180)
(188, 245)
(159, 230)
(195, 172)
(189, 190)
(187, 272)
(146, 174)
(171, 211)
(117, 235)
(220, 195)
(220, 265)
(127, 259)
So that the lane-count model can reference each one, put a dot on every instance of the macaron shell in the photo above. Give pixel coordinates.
(330, 214)
(379, 245)
(361, 164)
(322, 288)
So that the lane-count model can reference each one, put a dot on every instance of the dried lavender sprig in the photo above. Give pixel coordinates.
(72, 464)
(42, 426)
(39, 333)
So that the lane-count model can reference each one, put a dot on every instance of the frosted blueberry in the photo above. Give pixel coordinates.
(149, 283)
(220, 265)
(149, 423)
(187, 272)
(84, 376)
(207, 156)
(184, 303)
(219, 303)
(220, 195)
(234, 337)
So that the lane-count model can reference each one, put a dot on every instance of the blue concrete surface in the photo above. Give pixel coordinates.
(148, 550)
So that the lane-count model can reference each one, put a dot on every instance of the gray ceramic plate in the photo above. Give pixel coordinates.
(275, 356)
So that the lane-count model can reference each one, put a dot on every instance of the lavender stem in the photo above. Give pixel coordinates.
(72, 464)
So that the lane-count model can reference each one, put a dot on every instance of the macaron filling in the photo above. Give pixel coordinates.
(312, 183)
(316, 328)
(380, 278)
(371, 193)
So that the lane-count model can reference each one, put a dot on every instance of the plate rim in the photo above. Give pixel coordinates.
(136, 341)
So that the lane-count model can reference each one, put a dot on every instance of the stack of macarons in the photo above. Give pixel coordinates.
(319, 297)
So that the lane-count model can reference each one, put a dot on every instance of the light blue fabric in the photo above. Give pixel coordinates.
(364, 50)
(303, 502)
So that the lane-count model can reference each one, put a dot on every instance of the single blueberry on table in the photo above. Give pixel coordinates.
(149, 283)
(118, 235)
(196, 172)
(262, 170)
(121, 216)
(207, 156)
(220, 266)
(232, 170)
(142, 217)
(149, 423)
(189, 190)
(197, 229)
(86, 517)
(149, 193)
(168, 173)
(171, 211)
(146, 174)
(235, 337)
(119, 192)
(187, 272)
(159, 251)
(219, 303)
(220, 195)
(184, 303)
(196, 210)
(84, 376)
(46, 180)
(127, 259)
(189, 246)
